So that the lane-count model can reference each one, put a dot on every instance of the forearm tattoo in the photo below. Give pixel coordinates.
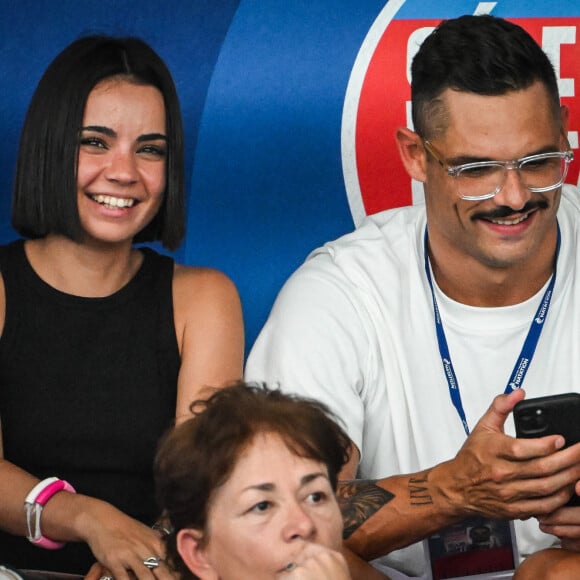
(359, 500)
(418, 491)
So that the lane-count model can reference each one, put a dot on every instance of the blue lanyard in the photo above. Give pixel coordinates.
(523, 362)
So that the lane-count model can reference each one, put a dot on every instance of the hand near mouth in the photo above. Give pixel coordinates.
(316, 562)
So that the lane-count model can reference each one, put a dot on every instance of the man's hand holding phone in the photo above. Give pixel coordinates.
(503, 477)
(543, 416)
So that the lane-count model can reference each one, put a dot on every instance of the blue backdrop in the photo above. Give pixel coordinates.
(270, 93)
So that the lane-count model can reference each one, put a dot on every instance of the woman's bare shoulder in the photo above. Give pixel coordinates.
(201, 293)
(202, 283)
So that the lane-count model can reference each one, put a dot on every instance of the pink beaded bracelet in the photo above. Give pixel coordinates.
(33, 505)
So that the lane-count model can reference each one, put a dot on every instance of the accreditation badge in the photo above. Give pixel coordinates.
(477, 547)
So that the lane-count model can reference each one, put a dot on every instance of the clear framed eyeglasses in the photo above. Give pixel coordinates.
(483, 179)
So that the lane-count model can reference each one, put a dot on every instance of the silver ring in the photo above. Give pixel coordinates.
(106, 578)
(152, 562)
(163, 530)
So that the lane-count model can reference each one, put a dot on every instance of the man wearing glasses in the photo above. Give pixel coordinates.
(420, 328)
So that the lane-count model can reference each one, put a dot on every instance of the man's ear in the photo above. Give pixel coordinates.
(412, 152)
(193, 554)
(564, 116)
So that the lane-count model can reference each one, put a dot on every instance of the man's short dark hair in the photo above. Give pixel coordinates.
(484, 55)
(45, 189)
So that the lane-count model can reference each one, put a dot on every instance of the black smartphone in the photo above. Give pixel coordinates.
(551, 415)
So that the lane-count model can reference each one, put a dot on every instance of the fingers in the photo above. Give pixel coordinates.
(96, 572)
(162, 571)
(149, 568)
(493, 421)
(317, 562)
(502, 405)
(535, 448)
(126, 548)
(516, 489)
(544, 466)
(564, 523)
(563, 516)
(569, 535)
(573, 543)
(501, 476)
(538, 458)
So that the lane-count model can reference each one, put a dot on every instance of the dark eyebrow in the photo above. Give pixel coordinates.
(110, 133)
(261, 487)
(100, 129)
(311, 477)
(152, 137)
(305, 480)
(463, 159)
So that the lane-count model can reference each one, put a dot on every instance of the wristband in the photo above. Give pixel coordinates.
(33, 505)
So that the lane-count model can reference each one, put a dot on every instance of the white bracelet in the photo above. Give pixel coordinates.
(33, 505)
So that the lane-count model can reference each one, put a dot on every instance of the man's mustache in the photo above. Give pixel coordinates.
(504, 211)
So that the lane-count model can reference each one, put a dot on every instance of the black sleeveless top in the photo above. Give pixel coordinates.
(87, 386)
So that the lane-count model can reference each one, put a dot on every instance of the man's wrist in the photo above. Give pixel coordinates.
(447, 494)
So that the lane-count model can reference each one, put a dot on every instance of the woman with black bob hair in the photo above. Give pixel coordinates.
(104, 344)
(45, 192)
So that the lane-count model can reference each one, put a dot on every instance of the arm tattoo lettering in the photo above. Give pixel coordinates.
(419, 491)
(358, 501)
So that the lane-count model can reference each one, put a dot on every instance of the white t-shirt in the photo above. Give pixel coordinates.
(354, 328)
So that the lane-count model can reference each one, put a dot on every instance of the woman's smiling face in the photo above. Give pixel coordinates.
(121, 172)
